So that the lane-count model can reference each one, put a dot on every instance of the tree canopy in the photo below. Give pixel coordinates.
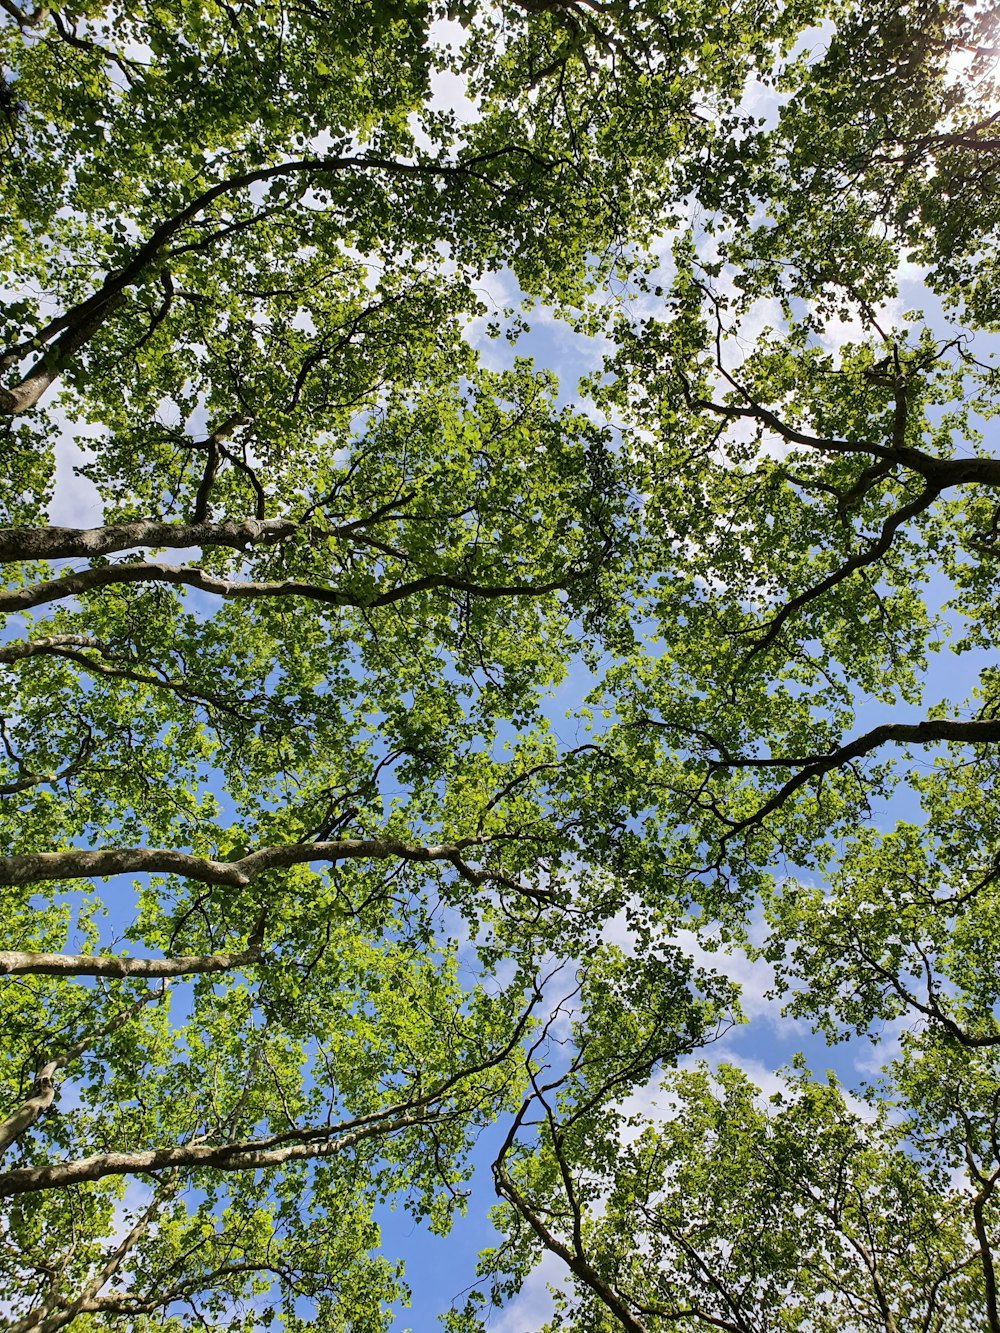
(312, 895)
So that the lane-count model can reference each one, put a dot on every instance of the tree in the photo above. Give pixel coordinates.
(244, 247)
(733, 1214)
(291, 687)
(829, 520)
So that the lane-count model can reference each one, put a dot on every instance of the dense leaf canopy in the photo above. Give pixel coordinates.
(309, 889)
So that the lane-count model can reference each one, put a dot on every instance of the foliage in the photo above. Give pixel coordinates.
(304, 890)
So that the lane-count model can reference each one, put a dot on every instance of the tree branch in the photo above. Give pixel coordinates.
(32, 866)
(48, 1318)
(44, 1087)
(105, 576)
(84, 751)
(16, 963)
(974, 732)
(861, 560)
(574, 1259)
(276, 1150)
(110, 669)
(71, 543)
(78, 325)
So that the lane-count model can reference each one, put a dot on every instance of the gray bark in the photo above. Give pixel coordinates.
(88, 580)
(72, 543)
(14, 962)
(34, 866)
(249, 1155)
(44, 1087)
(50, 365)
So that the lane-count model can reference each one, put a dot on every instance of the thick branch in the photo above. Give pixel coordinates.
(21, 18)
(47, 369)
(32, 866)
(215, 451)
(821, 443)
(250, 1155)
(940, 472)
(982, 1230)
(276, 1150)
(13, 962)
(73, 543)
(872, 553)
(974, 732)
(88, 580)
(48, 1318)
(22, 648)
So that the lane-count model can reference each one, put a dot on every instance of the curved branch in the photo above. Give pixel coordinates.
(932, 1008)
(158, 1297)
(941, 472)
(28, 780)
(70, 647)
(112, 670)
(87, 580)
(44, 1087)
(49, 1317)
(33, 866)
(575, 1259)
(275, 1150)
(77, 326)
(975, 732)
(23, 19)
(22, 648)
(821, 443)
(861, 560)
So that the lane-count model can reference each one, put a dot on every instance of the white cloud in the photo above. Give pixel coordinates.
(533, 1305)
(883, 1047)
(75, 502)
(754, 976)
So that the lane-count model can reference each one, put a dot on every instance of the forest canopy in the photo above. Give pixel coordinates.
(404, 750)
